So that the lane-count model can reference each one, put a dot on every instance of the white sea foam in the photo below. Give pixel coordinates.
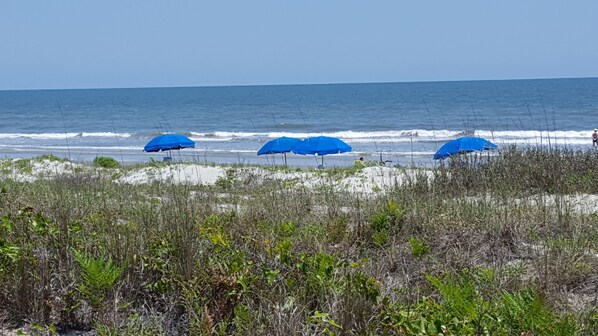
(90, 148)
(413, 135)
(205, 139)
(50, 136)
(340, 134)
(534, 134)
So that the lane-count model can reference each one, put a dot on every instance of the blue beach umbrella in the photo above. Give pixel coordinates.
(463, 145)
(321, 145)
(279, 145)
(166, 142)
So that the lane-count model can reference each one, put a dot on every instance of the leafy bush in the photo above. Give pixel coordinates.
(418, 248)
(224, 183)
(385, 221)
(105, 162)
(390, 216)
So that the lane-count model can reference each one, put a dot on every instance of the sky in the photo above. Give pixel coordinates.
(157, 43)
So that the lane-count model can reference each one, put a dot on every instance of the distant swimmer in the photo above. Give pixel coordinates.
(595, 138)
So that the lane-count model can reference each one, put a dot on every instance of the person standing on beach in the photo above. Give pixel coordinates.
(595, 138)
(359, 163)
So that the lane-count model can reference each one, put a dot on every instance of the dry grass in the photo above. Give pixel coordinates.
(249, 257)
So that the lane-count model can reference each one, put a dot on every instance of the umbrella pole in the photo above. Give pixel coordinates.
(285, 158)
(322, 161)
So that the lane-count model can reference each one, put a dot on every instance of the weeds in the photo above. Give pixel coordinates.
(468, 251)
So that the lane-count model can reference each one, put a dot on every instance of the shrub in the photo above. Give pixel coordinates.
(51, 157)
(105, 162)
(390, 216)
(224, 183)
(418, 248)
(385, 221)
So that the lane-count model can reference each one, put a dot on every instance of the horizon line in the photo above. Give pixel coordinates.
(295, 84)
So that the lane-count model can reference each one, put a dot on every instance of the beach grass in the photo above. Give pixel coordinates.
(500, 246)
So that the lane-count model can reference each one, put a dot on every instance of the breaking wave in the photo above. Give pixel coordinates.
(527, 137)
(50, 136)
(413, 135)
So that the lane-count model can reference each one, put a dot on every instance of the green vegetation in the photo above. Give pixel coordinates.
(23, 166)
(105, 162)
(97, 277)
(50, 157)
(474, 250)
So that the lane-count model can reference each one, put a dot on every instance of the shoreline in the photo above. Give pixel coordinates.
(128, 157)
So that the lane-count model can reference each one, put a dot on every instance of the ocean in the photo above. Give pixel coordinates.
(404, 123)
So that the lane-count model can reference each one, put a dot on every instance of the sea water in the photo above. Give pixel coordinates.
(400, 122)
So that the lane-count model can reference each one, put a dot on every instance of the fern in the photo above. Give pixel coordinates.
(98, 276)
(513, 314)
(461, 300)
(525, 311)
(458, 297)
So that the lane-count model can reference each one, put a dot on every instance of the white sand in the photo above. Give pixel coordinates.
(380, 179)
(581, 203)
(368, 181)
(193, 174)
(40, 169)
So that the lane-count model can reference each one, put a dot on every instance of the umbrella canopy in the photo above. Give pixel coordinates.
(321, 145)
(166, 142)
(279, 145)
(463, 145)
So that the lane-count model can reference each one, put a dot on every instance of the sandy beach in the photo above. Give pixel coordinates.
(367, 180)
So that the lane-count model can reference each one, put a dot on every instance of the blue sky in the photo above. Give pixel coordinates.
(150, 43)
